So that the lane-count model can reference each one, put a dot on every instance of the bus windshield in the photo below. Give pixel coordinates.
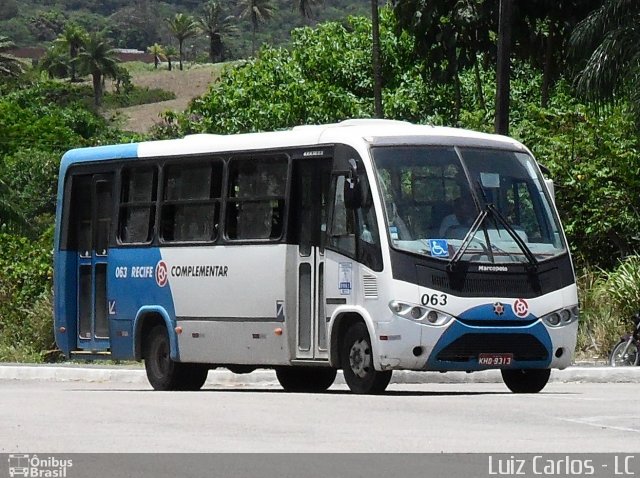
(471, 204)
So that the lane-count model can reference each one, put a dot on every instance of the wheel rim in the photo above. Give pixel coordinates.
(626, 357)
(360, 358)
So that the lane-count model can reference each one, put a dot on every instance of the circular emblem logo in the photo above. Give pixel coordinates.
(162, 274)
(498, 308)
(521, 308)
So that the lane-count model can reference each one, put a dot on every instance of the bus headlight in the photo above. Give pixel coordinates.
(418, 313)
(561, 317)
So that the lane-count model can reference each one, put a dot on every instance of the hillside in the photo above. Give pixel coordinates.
(186, 85)
(142, 23)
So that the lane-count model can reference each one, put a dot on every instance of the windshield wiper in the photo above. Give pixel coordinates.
(495, 212)
(468, 238)
(496, 215)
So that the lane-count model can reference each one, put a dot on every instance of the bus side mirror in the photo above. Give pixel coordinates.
(357, 193)
(551, 188)
(352, 188)
(352, 194)
(549, 182)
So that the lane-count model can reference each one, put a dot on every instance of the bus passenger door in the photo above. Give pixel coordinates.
(311, 178)
(93, 202)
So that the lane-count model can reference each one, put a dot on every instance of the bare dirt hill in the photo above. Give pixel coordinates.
(186, 85)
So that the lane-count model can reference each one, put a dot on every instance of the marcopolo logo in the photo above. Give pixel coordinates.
(33, 466)
(162, 273)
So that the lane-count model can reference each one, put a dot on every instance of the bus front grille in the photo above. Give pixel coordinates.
(466, 348)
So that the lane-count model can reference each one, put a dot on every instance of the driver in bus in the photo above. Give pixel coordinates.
(456, 225)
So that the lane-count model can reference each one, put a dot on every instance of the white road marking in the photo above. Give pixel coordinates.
(597, 422)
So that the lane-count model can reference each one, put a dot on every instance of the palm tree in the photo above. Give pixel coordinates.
(611, 38)
(72, 38)
(9, 66)
(216, 26)
(158, 53)
(55, 62)
(171, 53)
(182, 27)
(257, 11)
(97, 58)
(304, 7)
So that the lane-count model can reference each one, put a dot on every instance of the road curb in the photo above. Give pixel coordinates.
(264, 378)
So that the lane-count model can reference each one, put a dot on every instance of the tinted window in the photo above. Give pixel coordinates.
(137, 205)
(256, 198)
(191, 202)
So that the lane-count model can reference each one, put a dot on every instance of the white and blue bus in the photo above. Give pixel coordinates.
(367, 246)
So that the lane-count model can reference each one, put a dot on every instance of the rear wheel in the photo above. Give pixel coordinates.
(623, 356)
(526, 380)
(306, 379)
(356, 358)
(165, 374)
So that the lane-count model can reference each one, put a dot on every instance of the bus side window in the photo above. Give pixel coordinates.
(80, 229)
(137, 205)
(256, 198)
(191, 202)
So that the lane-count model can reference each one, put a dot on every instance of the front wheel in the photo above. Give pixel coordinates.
(356, 358)
(624, 354)
(306, 379)
(526, 380)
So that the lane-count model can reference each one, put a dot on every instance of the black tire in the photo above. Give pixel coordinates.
(357, 363)
(165, 374)
(192, 376)
(306, 379)
(526, 380)
(620, 358)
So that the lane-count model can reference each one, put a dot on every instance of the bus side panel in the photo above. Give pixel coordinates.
(229, 300)
(252, 342)
(65, 300)
(135, 280)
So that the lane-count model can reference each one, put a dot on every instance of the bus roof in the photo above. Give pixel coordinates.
(372, 131)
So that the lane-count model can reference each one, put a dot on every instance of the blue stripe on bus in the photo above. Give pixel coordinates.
(128, 298)
(135, 296)
(458, 329)
(65, 304)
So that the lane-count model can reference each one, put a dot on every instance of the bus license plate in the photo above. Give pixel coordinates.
(495, 360)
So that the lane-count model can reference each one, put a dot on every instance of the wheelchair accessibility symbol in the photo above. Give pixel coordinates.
(439, 247)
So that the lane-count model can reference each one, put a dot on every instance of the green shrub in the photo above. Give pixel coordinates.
(31, 179)
(607, 302)
(25, 297)
(136, 96)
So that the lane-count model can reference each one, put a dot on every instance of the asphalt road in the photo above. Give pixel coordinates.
(73, 417)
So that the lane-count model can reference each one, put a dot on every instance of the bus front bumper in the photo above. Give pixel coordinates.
(405, 344)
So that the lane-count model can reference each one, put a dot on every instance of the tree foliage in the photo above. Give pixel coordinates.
(611, 40)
